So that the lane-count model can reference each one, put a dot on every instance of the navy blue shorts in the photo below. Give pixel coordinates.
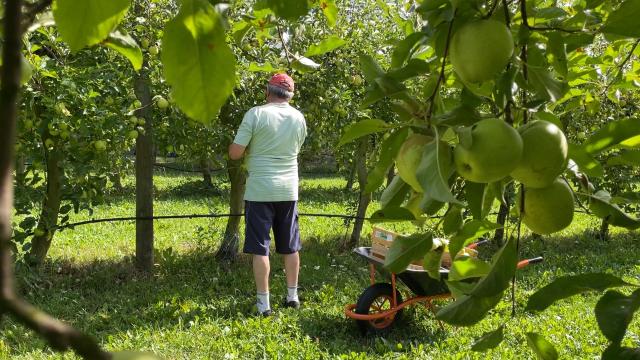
(261, 217)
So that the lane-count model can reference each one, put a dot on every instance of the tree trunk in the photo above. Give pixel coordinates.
(228, 250)
(116, 179)
(144, 175)
(45, 229)
(364, 199)
(206, 173)
(20, 165)
(351, 177)
(604, 230)
(391, 174)
(498, 236)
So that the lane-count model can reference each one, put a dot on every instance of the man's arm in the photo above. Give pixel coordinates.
(236, 152)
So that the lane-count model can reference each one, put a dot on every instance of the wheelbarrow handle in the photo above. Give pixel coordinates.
(476, 244)
(524, 263)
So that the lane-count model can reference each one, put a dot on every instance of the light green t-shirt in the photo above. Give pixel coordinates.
(273, 134)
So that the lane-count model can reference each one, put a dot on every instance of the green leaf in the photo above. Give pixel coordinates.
(489, 340)
(557, 50)
(601, 206)
(626, 158)
(388, 150)
(614, 311)
(474, 193)
(434, 171)
(621, 132)
(362, 128)
(403, 48)
(568, 286)
(453, 220)
(623, 21)
(469, 232)
(392, 214)
(395, 193)
(406, 249)
(126, 46)
(198, 63)
(266, 67)
(133, 355)
(503, 268)
(466, 267)
(462, 115)
(432, 262)
(370, 68)
(467, 310)
(88, 22)
(289, 9)
(585, 162)
(545, 85)
(543, 348)
(413, 68)
(327, 45)
(330, 11)
(304, 64)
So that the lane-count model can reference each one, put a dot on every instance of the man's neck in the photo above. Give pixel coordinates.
(276, 101)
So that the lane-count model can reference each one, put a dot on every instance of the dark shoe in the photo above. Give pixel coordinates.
(265, 313)
(291, 304)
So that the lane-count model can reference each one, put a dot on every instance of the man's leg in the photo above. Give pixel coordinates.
(287, 236)
(261, 269)
(292, 268)
(258, 218)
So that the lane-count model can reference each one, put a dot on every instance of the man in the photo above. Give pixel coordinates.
(272, 136)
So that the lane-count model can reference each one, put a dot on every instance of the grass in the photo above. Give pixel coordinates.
(193, 307)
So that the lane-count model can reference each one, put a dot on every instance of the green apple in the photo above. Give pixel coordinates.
(39, 232)
(153, 50)
(64, 134)
(494, 151)
(162, 103)
(100, 145)
(409, 157)
(133, 134)
(26, 71)
(133, 120)
(582, 135)
(141, 121)
(144, 43)
(356, 80)
(549, 209)
(49, 143)
(480, 49)
(544, 154)
(28, 125)
(137, 104)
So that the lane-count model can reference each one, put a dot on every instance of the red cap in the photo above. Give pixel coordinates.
(282, 80)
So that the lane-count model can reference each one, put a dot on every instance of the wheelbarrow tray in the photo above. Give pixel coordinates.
(414, 277)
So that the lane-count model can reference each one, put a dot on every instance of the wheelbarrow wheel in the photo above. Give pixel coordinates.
(376, 299)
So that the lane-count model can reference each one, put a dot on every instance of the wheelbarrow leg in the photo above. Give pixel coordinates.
(372, 273)
(430, 306)
(394, 302)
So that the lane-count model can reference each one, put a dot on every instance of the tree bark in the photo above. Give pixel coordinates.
(228, 250)
(48, 220)
(603, 234)
(116, 179)
(206, 172)
(144, 175)
(59, 335)
(351, 177)
(364, 198)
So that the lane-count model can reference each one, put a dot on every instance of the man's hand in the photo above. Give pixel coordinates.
(236, 152)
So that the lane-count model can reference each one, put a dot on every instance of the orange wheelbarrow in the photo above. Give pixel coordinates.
(379, 307)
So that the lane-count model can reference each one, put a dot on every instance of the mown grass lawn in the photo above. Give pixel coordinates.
(193, 307)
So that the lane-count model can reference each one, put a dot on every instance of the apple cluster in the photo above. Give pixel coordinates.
(491, 151)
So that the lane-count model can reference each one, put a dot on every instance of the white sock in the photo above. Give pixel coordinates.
(263, 302)
(292, 293)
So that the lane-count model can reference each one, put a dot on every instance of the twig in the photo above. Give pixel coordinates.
(523, 57)
(493, 8)
(621, 66)
(432, 97)
(32, 11)
(284, 45)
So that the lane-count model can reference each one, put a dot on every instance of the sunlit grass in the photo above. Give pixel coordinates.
(195, 308)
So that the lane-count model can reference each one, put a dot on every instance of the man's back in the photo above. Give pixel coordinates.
(273, 134)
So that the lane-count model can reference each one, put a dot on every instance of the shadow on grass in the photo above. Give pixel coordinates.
(109, 297)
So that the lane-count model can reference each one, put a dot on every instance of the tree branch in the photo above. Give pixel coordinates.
(621, 66)
(284, 45)
(32, 10)
(432, 97)
(59, 335)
